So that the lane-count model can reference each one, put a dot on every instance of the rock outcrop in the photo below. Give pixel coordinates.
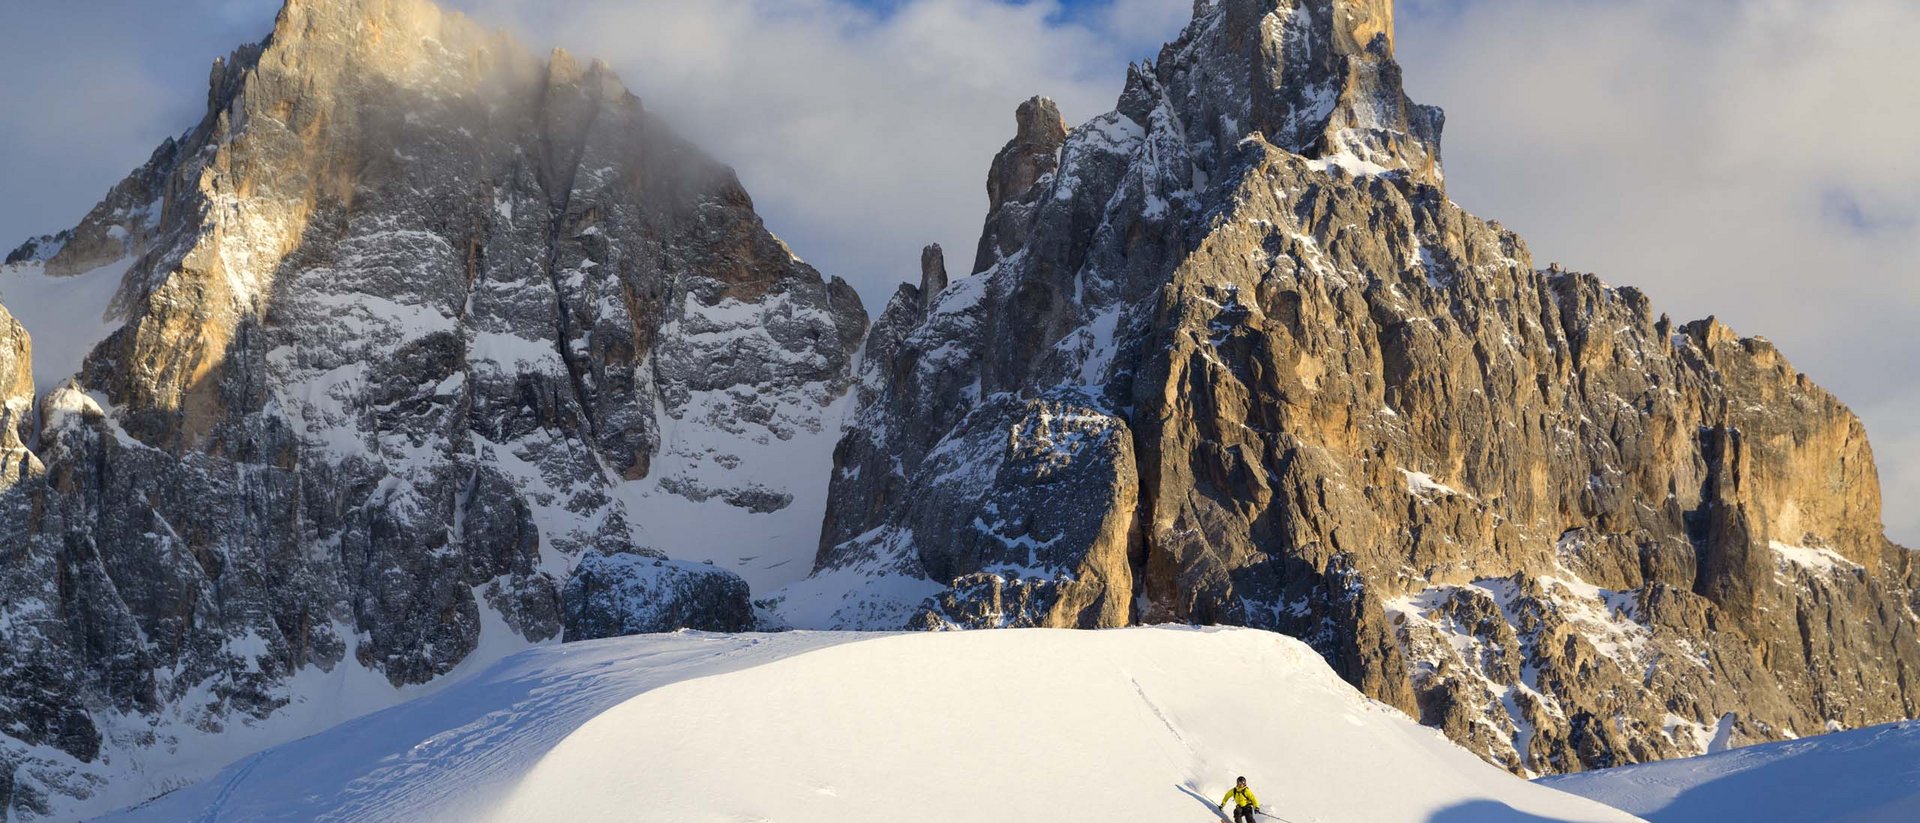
(410, 320)
(1237, 358)
(1033, 153)
(615, 595)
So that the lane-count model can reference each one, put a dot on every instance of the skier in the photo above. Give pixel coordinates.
(1245, 805)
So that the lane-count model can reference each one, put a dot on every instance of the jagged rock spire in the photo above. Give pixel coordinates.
(1032, 155)
(1314, 77)
(933, 274)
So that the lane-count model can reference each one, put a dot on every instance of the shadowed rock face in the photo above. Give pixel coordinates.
(615, 595)
(408, 319)
(1236, 358)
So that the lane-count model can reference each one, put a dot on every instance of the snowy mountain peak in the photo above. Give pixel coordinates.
(371, 356)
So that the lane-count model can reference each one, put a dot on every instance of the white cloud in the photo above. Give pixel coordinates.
(862, 135)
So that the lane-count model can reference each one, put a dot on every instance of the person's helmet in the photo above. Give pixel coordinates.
(1241, 780)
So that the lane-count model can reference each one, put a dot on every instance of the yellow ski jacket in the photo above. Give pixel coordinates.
(1241, 797)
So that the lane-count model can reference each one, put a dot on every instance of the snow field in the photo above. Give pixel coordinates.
(1863, 776)
(1017, 725)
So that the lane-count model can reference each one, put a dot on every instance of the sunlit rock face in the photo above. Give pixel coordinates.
(410, 321)
(16, 381)
(1232, 356)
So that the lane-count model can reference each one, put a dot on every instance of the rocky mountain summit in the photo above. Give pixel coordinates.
(1231, 355)
(410, 322)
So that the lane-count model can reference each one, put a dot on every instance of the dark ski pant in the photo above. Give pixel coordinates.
(1241, 813)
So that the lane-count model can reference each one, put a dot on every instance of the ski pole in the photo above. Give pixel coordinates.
(1274, 816)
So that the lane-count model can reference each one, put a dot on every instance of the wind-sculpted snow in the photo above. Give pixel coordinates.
(1232, 356)
(455, 754)
(1134, 725)
(410, 322)
(1860, 776)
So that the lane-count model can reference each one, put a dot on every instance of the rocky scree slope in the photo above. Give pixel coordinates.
(1229, 354)
(411, 321)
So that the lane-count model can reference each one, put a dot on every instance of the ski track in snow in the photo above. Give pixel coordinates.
(462, 746)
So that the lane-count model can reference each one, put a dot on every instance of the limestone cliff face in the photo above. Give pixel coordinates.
(410, 321)
(16, 382)
(1236, 358)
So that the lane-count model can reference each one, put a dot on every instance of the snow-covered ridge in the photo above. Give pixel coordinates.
(1129, 725)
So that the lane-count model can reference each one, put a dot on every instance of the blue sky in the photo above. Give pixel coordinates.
(1751, 159)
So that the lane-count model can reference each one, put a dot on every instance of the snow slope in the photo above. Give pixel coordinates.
(1863, 776)
(465, 743)
(147, 754)
(1128, 725)
(769, 549)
